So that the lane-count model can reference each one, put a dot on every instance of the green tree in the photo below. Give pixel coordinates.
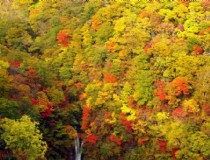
(24, 138)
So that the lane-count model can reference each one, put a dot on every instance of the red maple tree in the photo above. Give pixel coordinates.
(173, 152)
(162, 145)
(47, 111)
(85, 117)
(114, 139)
(91, 138)
(15, 64)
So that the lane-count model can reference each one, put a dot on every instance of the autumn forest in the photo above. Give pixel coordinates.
(104, 80)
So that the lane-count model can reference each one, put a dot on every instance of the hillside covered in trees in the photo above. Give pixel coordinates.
(114, 79)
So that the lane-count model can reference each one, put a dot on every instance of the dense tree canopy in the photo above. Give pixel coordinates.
(129, 78)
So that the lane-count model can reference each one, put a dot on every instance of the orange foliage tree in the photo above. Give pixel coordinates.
(85, 117)
(159, 91)
(63, 38)
(110, 78)
(179, 86)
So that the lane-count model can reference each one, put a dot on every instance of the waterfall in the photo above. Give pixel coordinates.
(78, 148)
